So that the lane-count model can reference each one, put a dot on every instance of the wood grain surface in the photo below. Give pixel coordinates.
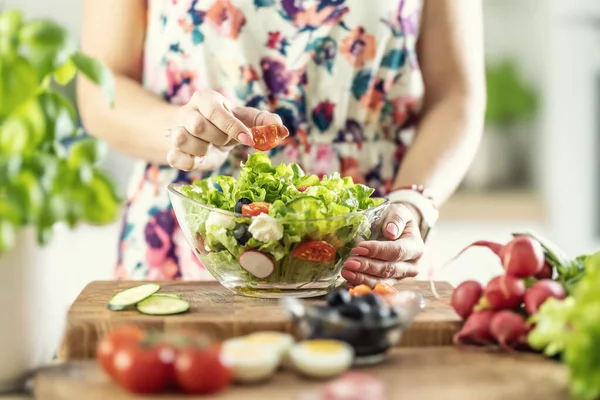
(409, 373)
(216, 310)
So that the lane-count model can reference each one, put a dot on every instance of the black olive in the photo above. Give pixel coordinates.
(356, 310)
(240, 203)
(338, 297)
(373, 300)
(381, 313)
(241, 234)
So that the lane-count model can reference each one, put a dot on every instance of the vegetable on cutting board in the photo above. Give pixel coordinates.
(147, 301)
(544, 301)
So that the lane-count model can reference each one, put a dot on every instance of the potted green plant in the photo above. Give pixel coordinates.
(511, 106)
(49, 171)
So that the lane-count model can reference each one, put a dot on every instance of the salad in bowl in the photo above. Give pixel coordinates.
(276, 231)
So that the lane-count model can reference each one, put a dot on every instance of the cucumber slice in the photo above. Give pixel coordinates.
(162, 305)
(132, 296)
(171, 295)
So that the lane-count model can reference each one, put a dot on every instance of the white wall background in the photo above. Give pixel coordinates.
(525, 29)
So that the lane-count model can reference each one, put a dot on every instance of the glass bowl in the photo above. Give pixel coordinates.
(305, 262)
(370, 338)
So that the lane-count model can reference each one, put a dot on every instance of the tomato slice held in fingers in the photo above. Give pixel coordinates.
(317, 251)
(256, 208)
(267, 137)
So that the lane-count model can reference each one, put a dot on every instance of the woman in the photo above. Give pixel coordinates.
(351, 79)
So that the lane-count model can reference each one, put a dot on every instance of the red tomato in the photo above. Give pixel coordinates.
(140, 368)
(303, 188)
(256, 208)
(317, 251)
(267, 137)
(201, 371)
(113, 341)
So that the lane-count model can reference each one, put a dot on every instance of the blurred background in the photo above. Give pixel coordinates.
(537, 167)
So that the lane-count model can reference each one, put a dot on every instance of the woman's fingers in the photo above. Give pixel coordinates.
(212, 106)
(381, 269)
(409, 247)
(251, 117)
(395, 221)
(183, 161)
(182, 140)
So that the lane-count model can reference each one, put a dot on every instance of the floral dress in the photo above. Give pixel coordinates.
(342, 74)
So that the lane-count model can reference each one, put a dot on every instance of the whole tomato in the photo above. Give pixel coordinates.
(143, 368)
(113, 341)
(201, 370)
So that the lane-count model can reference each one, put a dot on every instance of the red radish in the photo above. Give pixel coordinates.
(523, 257)
(540, 292)
(476, 329)
(256, 263)
(508, 328)
(546, 272)
(465, 297)
(503, 292)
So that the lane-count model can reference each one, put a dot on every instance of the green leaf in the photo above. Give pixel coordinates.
(97, 73)
(18, 84)
(10, 24)
(103, 202)
(49, 43)
(14, 136)
(87, 150)
(66, 72)
(60, 116)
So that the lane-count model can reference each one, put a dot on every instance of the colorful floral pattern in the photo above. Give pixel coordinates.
(342, 74)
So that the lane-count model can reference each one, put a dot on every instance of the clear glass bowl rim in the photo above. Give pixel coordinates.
(174, 189)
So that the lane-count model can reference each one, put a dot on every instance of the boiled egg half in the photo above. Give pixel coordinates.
(321, 358)
(249, 363)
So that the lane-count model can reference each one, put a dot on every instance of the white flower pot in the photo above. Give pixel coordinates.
(37, 285)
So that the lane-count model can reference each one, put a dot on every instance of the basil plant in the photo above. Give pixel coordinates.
(48, 167)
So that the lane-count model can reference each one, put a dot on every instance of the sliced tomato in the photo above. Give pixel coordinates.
(303, 188)
(115, 340)
(317, 251)
(267, 137)
(384, 288)
(359, 290)
(256, 208)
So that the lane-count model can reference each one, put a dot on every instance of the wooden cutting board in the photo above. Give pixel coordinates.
(217, 310)
(409, 373)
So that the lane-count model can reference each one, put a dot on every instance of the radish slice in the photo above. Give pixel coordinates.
(257, 264)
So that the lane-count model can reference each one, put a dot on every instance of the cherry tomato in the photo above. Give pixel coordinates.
(140, 368)
(359, 290)
(384, 288)
(113, 341)
(317, 251)
(267, 137)
(201, 371)
(256, 208)
(303, 188)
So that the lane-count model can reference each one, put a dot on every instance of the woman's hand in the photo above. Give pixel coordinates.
(394, 258)
(209, 128)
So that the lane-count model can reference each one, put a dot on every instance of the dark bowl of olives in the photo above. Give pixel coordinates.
(372, 324)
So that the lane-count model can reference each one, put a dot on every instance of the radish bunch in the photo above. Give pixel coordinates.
(497, 313)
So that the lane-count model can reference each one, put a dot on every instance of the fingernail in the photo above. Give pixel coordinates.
(352, 264)
(349, 275)
(361, 251)
(392, 229)
(244, 138)
(198, 161)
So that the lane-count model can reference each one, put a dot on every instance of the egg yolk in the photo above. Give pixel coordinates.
(323, 346)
